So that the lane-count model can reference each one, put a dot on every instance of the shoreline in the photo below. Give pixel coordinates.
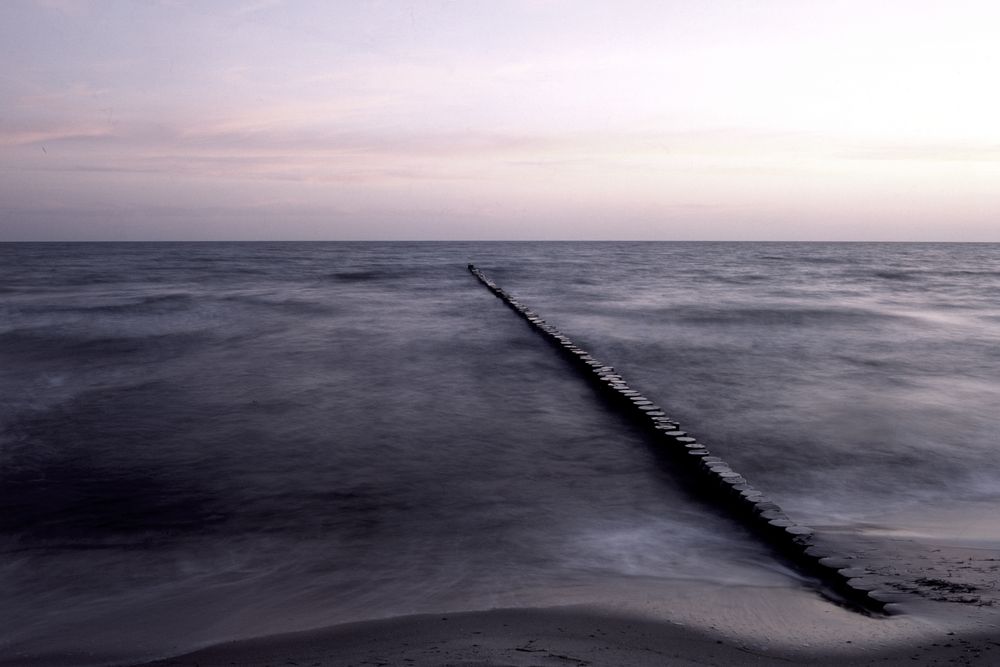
(695, 623)
(571, 636)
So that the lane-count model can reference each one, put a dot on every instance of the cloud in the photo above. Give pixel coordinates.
(66, 97)
(929, 152)
(257, 6)
(71, 8)
(52, 134)
(286, 143)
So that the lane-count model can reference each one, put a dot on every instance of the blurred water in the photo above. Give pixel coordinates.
(856, 383)
(206, 441)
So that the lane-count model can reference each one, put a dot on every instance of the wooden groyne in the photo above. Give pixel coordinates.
(713, 477)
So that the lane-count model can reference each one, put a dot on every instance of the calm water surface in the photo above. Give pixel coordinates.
(207, 441)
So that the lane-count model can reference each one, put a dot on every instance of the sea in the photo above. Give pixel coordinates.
(210, 441)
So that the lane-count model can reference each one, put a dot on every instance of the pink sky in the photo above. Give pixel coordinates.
(551, 119)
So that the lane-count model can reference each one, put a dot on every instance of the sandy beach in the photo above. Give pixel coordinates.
(697, 624)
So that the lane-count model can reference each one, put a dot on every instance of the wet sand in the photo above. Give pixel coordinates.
(701, 624)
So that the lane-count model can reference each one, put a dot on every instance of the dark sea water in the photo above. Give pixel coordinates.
(208, 441)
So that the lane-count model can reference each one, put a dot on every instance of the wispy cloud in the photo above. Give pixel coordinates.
(52, 134)
(927, 152)
(65, 7)
(64, 96)
(257, 6)
(552, 104)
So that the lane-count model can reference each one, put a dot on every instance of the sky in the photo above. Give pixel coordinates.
(519, 119)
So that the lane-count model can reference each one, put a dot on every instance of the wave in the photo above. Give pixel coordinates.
(990, 273)
(895, 275)
(158, 303)
(820, 259)
(45, 342)
(362, 276)
(926, 274)
(179, 302)
(774, 316)
(294, 306)
(749, 279)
